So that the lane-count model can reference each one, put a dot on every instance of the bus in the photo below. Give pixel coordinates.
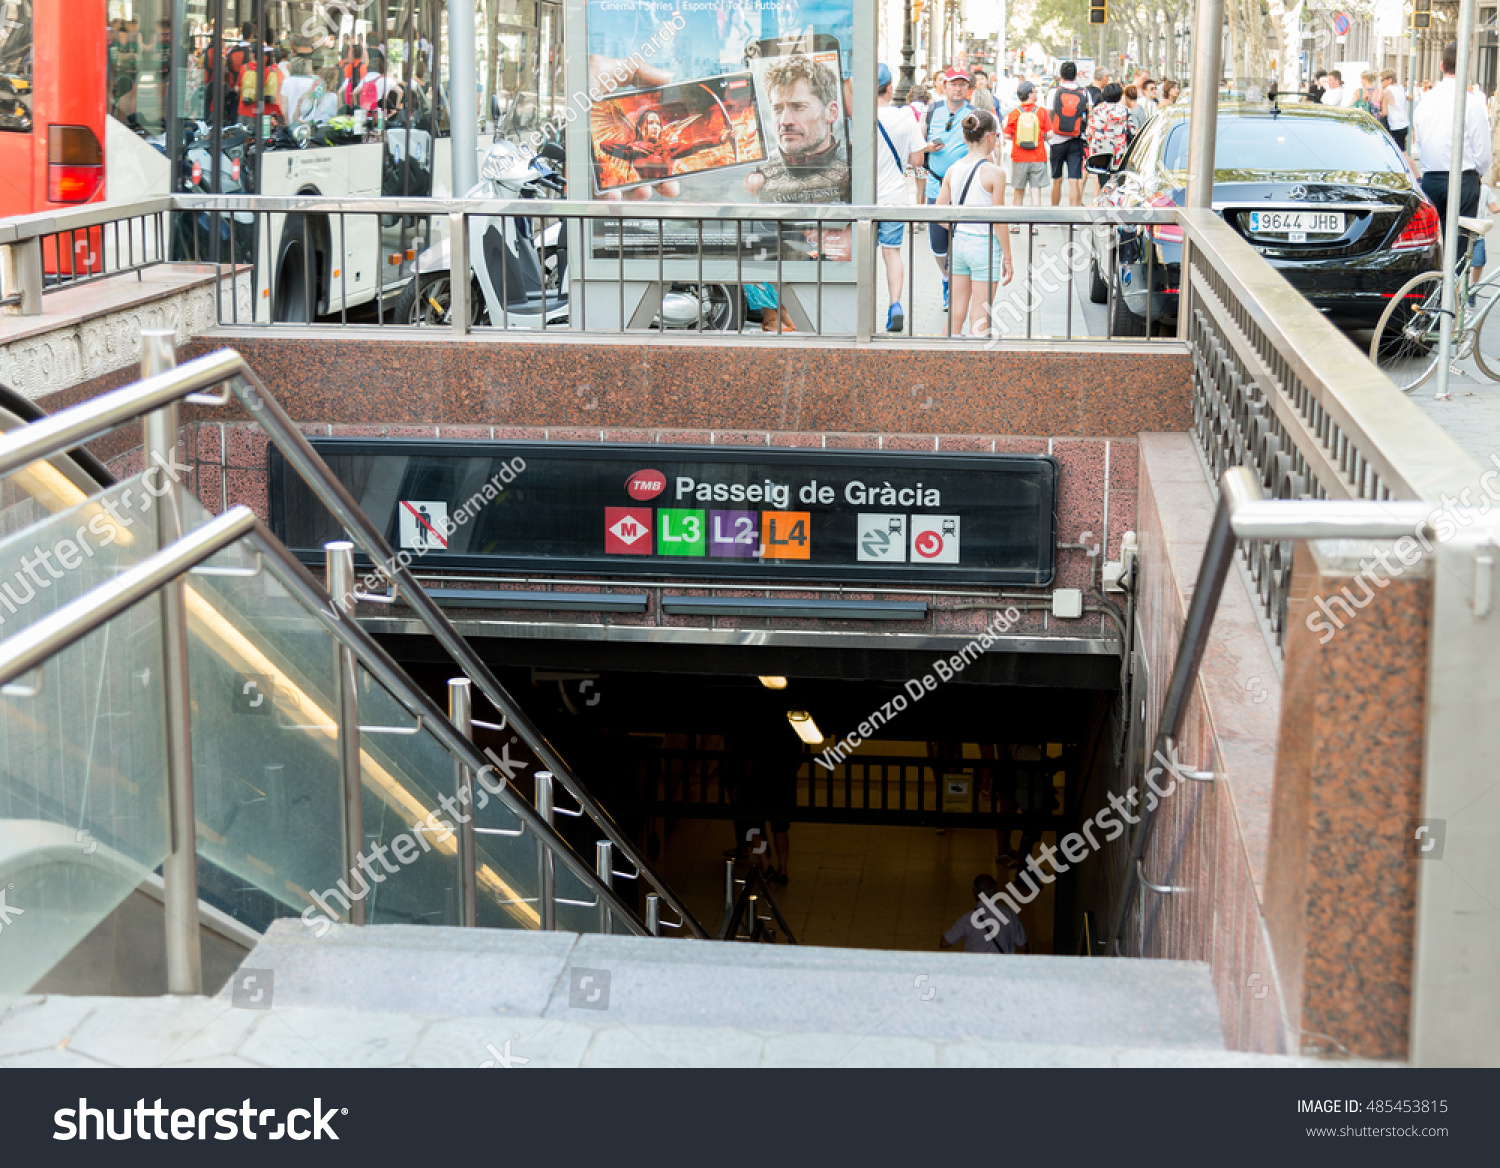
(51, 115)
(121, 100)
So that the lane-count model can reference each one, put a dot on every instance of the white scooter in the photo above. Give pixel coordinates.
(518, 276)
(516, 280)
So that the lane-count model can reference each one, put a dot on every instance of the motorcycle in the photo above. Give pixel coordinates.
(518, 276)
(205, 235)
(509, 283)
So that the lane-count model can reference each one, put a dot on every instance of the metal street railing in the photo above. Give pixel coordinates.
(63, 249)
(601, 268)
(1278, 389)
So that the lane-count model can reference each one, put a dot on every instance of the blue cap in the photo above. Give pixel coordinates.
(882, 76)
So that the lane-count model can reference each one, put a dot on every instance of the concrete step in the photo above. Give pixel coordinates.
(787, 989)
(397, 996)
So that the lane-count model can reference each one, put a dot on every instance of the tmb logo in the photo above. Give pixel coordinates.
(645, 484)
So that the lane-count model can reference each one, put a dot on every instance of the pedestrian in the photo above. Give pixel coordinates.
(1108, 124)
(1337, 93)
(943, 129)
(1368, 96)
(296, 90)
(1169, 91)
(1026, 129)
(1393, 105)
(1487, 208)
(983, 96)
(1315, 90)
(1095, 88)
(917, 102)
(999, 933)
(976, 181)
(1148, 93)
(1432, 136)
(1070, 121)
(901, 146)
(1138, 115)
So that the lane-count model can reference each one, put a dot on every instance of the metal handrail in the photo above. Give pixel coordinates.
(729, 927)
(1413, 456)
(23, 651)
(314, 471)
(666, 211)
(43, 223)
(380, 665)
(1242, 513)
(89, 419)
(45, 638)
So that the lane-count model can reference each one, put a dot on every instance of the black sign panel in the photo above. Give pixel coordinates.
(688, 511)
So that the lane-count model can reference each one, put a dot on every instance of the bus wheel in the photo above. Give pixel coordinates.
(293, 296)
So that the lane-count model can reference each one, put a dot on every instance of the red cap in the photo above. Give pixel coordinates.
(954, 73)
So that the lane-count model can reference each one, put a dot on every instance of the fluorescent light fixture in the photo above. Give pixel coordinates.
(773, 682)
(806, 728)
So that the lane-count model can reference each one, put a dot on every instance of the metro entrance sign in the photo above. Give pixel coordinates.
(684, 511)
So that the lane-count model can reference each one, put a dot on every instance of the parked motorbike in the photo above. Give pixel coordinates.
(518, 275)
(508, 283)
(206, 235)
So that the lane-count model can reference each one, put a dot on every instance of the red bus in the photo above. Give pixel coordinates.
(53, 67)
(127, 99)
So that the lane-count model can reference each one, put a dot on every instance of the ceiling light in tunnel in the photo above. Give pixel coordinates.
(806, 728)
(773, 682)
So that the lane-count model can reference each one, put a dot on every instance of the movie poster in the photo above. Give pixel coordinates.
(719, 101)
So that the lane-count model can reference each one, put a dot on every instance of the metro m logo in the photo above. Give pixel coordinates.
(627, 531)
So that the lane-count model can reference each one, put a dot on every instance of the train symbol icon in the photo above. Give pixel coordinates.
(934, 539)
(880, 539)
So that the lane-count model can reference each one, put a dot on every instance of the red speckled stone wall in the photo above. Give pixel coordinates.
(1340, 888)
(1083, 408)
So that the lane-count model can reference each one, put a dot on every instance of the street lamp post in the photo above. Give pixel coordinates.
(908, 57)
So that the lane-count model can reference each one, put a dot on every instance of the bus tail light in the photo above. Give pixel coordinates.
(75, 164)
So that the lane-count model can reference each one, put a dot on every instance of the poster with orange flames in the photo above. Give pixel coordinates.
(654, 136)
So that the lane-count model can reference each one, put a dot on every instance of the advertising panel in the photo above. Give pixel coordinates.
(720, 101)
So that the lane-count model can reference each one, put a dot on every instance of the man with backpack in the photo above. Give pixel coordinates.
(943, 130)
(1026, 128)
(1070, 123)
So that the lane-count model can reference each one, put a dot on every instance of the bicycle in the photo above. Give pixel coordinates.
(1405, 345)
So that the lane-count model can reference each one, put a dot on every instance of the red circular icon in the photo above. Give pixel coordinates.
(929, 544)
(645, 484)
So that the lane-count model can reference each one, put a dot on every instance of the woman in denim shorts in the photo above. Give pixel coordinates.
(979, 254)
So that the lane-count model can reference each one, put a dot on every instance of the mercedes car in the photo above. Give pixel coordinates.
(1323, 194)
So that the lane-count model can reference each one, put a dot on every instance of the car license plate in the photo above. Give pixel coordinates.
(1295, 223)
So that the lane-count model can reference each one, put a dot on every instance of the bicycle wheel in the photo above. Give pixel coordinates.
(1405, 346)
(1487, 331)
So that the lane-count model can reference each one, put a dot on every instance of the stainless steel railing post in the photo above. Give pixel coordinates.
(339, 561)
(23, 275)
(653, 914)
(604, 865)
(728, 889)
(546, 873)
(180, 868)
(461, 714)
(458, 285)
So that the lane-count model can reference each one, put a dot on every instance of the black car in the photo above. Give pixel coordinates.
(1322, 193)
